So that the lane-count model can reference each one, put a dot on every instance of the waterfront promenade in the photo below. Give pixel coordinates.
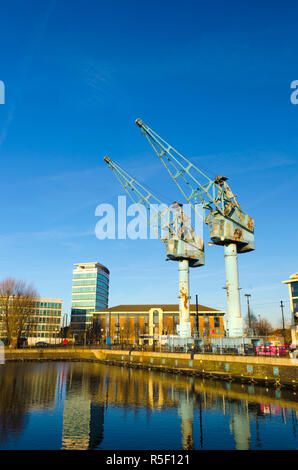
(269, 371)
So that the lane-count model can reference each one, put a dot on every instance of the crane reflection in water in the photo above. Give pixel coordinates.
(93, 406)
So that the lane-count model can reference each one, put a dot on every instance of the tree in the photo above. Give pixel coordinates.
(126, 331)
(264, 327)
(253, 322)
(17, 303)
(280, 332)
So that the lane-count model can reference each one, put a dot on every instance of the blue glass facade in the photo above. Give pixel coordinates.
(90, 292)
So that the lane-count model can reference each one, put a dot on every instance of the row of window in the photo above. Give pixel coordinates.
(48, 312)
(45, 320)
(82, 320)
(48, 305)
(94, 288)
(90, 282)
(206, 325)
(91, 275)
(97, 306)
(82, 310)
(46, 328)
(81, 313)
(89, 296)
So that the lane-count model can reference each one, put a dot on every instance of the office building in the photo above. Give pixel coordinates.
(293, 292)
(44, 324)
(90, 292)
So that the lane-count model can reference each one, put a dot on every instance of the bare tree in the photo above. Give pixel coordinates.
(17, 302)
(253, 323)
(136, 330)
(126, 330)
(264, 327)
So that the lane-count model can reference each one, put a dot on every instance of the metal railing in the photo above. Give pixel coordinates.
(207, 349)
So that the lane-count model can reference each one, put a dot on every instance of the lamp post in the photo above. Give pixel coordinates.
(283, 321)
(248, 313)
(197, 317)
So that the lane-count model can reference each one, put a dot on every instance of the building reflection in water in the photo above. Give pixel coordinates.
(135, 389)
(82, 419)
(84, 391)
(24, 389)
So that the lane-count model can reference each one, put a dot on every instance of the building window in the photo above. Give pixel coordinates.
(295, 289)
(206, 323)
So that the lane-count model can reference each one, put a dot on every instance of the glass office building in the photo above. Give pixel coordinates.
(90, 293)
(44, 323)
(293, 291)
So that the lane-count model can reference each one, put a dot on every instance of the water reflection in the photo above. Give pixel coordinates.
(22, 389)
(83, 419)
(93, 406)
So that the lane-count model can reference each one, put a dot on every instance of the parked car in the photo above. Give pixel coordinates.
(41, 344)
(271, 350)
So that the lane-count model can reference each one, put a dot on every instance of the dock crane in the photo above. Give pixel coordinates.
(228, 224)
(181, 241)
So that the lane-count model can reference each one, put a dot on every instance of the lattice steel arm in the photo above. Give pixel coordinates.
(171, 218)
(198, 189)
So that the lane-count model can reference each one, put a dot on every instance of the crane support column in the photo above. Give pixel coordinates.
(184, 320)
(235, 322)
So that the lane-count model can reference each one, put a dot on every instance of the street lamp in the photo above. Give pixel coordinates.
(283, 321)
(248, 313)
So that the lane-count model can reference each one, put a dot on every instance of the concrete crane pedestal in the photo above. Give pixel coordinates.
(235, 327)
(235, 322)
(184, 327)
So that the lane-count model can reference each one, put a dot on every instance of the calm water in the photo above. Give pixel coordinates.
(93, 406)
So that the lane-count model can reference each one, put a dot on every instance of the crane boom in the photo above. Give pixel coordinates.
(181, 240)
(227, 222)
(182, 244)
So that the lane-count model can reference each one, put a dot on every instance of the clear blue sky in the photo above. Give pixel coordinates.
(213, 78)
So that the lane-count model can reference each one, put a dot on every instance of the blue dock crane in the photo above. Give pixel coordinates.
(228, 224)
(181, 241)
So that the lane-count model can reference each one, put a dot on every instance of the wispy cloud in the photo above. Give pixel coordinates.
(53, 234)
(239, 163)
(269, 195)
(70, 175)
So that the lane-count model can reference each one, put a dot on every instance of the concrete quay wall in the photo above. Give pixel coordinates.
(269, 371)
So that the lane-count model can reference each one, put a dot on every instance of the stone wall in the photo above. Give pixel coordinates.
(266, 370)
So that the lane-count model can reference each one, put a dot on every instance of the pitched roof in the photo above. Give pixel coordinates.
(165, 307)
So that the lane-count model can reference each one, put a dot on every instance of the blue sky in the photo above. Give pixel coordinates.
(212, 78)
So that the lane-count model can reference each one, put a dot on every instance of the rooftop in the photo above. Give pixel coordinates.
(165, 307)
(293, 278)
(91, 266)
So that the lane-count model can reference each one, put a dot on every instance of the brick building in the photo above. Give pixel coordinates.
(143, 323)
